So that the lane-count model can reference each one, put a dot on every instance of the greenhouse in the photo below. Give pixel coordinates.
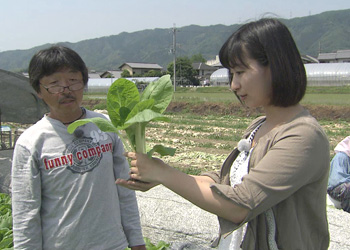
(328, 74)
(219, 77)
(103, 84)
(318, 74)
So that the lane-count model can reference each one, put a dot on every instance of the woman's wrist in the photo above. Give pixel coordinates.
(164, 173)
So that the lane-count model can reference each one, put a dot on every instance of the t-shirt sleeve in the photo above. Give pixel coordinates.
(26, 200)
(128, 204)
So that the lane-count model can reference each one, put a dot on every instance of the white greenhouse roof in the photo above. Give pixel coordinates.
(327, 69)
(107, 82)
(325, 73)
(220, 75)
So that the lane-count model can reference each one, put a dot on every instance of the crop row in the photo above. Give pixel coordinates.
(203, 142)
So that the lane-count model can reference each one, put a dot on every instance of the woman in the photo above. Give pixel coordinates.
(272, 188)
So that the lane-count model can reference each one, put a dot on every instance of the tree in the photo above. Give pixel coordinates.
(198, 58)
(125, 73)
(153, 73)
(185, 74)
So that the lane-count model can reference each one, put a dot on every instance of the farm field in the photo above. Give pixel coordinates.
(203, 142)
(207, 123)
(228, 97)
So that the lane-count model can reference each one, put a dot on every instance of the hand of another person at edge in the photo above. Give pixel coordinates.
(142, 247)
(146, 169)
(136, 185)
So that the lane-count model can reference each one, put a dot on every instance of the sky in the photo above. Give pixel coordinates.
(25, 24)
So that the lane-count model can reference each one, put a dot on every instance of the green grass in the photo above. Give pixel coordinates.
(314, 95)
(326, 99)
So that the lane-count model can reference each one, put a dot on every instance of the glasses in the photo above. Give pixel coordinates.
(61, 89)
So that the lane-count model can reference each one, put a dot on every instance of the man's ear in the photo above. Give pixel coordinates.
(39, 95)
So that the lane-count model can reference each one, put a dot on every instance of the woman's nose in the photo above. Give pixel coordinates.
(235, 84)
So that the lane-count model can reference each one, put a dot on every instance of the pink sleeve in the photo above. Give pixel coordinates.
(343, 146)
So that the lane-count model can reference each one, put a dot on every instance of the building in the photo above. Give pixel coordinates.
(220, 77)
(140, 68)
(204, 72)
(102, 85)
(318, 74)
(341, 56)
(215, 63)
(94, 75)
(328, 74)
(308, 59)
(111, 74)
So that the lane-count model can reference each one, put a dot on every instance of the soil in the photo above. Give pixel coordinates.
(320, 112)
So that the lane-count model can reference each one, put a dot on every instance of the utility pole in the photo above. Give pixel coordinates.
(173, 50)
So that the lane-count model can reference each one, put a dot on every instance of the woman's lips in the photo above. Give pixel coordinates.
(242, 97)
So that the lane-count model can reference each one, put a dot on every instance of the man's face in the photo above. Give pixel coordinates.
(66, 102)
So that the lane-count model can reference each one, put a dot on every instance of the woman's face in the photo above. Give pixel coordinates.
(252, 84)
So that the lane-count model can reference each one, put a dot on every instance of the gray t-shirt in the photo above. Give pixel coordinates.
(64, 193)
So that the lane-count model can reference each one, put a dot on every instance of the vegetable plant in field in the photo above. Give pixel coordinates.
(162, 245)
(130, 111)
(6, 238)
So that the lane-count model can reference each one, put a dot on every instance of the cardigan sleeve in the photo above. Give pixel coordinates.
(285, 160)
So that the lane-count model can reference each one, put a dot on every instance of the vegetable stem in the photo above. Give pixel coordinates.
(140, 138)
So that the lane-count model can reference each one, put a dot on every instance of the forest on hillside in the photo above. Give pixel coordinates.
(325, 32)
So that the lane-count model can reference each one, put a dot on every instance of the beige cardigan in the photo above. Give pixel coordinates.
(288, 172)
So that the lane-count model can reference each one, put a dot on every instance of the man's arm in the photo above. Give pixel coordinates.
(26, 200)
(127, 198)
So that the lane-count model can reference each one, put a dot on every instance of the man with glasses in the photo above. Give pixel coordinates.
(64, 194)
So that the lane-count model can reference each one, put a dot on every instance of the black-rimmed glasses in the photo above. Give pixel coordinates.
(60, 89)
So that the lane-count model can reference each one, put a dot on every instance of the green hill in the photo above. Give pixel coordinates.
(328, 31)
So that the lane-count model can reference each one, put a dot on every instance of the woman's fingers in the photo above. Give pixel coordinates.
(134, 173)
(130, 155)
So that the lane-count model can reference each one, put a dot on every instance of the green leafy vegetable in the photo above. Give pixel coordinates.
(6, 238)
(131, 112)
(161, 245)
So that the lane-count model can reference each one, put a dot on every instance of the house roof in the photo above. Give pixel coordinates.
(113, 73)
(343, 54)
(202, 66)
(327, 56)
(94, 75)
(340, 54)
(309, 59)
(142, 66)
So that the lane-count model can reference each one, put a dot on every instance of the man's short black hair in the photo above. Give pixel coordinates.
(50, 60)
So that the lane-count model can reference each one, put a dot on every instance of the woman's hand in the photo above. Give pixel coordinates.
(136, 185)
(146, 169)
(141, 247)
